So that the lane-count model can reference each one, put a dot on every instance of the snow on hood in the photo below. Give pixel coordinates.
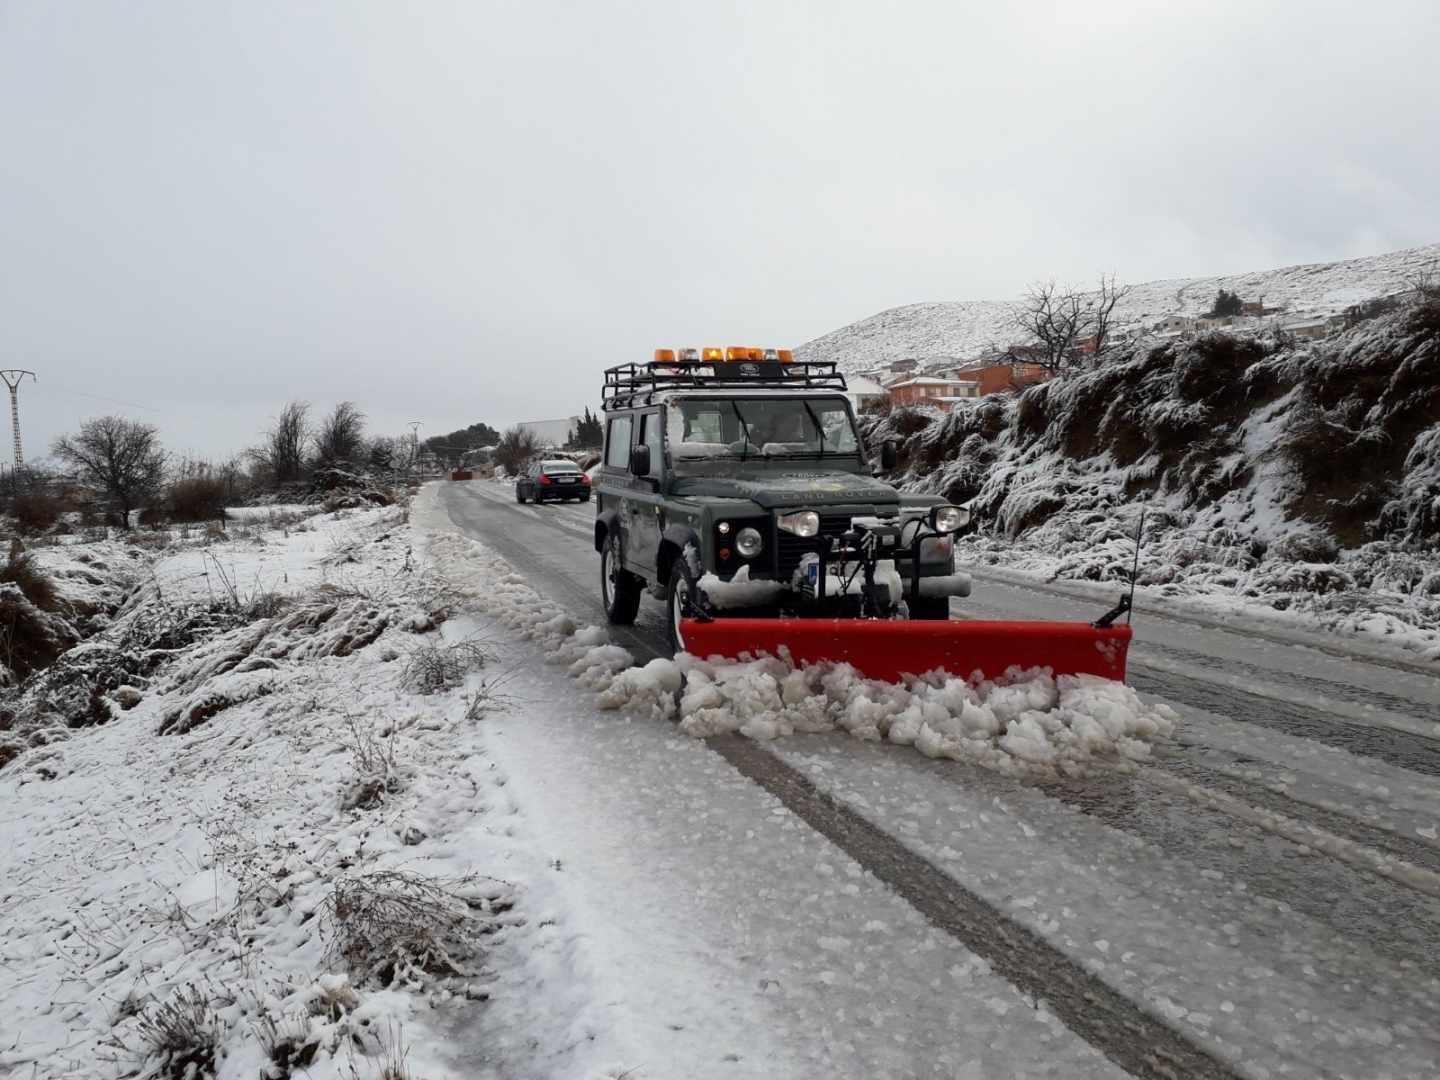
(816, 488)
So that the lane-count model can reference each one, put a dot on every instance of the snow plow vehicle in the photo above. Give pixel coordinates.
(736, 489)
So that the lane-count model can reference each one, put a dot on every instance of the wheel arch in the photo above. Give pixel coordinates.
(672, 543)
(605, 522)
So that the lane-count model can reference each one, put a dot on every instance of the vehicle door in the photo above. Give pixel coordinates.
(615, 479)
(646, 501)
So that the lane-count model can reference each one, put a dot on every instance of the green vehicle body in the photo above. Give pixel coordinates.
(678, 513)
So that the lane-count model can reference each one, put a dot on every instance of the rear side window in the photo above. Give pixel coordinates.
(650, 436)
(617, 443)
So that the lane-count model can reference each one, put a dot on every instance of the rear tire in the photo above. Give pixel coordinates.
(930, 609)
(619, 589)
(519, 495)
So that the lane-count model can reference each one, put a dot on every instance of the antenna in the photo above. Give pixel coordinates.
(12, 377)
(1126, 606)
(1135, 567)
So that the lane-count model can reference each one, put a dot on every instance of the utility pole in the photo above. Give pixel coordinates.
(415, 448)
(12, 377)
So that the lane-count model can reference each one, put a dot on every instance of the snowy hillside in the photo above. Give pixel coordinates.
(962, 329)
(1231, 444)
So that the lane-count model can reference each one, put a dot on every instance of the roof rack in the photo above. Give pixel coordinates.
(630, 385)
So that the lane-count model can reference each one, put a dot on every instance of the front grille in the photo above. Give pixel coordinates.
(790, 549)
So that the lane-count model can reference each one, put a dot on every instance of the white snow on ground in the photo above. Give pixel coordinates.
(231, 860)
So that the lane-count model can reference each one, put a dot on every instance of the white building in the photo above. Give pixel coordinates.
(863, 391)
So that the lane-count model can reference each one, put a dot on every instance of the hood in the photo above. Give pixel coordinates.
(773, 490)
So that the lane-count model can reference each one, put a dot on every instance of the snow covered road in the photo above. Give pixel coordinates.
(1268, 888)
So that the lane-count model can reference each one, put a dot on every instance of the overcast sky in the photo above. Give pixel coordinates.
(461, 212)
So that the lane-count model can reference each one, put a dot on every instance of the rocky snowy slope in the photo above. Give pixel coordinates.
(1304, 478)
(962, 329)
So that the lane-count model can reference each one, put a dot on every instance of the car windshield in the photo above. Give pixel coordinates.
(763, 427)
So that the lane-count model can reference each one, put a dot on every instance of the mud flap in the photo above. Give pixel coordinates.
(889, 649)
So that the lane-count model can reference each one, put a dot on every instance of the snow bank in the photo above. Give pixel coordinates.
(1028, 722)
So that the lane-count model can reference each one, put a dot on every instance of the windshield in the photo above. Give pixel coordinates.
(764, 427)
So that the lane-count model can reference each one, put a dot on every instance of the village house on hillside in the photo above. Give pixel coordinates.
(931, 390)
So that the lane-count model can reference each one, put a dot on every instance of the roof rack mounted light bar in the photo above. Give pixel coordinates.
(624, 383)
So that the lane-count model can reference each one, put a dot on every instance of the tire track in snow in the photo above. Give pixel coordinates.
(1386, 906)
(1398, 845)
(1119, 1028)
(1404, 749)
(1230, 666)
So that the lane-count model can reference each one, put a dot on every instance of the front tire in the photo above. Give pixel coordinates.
(619, 589)
(677, 589)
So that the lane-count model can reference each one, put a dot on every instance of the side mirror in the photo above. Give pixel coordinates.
(640, 461)
(889, 454)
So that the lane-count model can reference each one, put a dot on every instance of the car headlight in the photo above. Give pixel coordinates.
(748, 542)
(801, 523)
(948, 519)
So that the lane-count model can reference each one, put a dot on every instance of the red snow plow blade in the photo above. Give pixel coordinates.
(888, 649)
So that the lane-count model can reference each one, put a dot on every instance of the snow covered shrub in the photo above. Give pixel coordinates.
(181, 1037)
(433, 668)
(1304, 546)
(288, 1043)
(1031, 415)
(372, 759)
(33, 632)
(395, 926)
(1423, 316)
(196, 498)
(36, 511)
(1318, 578)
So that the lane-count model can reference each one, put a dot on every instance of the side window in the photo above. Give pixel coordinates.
(617, 443)
(650, 436)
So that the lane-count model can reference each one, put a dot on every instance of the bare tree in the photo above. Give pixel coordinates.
(1101, 307)
(121, 457)
(1061, 324)
(1051, 318)
(340, 442)
(516, 447)
(282, 454)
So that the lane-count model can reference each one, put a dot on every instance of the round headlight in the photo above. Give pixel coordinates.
(801, 523)
(947, 519)
(748, 542)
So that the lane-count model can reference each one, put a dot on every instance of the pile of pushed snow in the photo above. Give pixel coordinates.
(1026, 722)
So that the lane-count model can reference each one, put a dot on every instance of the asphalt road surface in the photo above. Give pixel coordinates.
(1277, 863)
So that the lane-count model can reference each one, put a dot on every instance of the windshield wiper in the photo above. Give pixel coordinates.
(816, 421)
(744, 428)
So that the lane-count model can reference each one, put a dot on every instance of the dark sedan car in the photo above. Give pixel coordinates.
(557, 479)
